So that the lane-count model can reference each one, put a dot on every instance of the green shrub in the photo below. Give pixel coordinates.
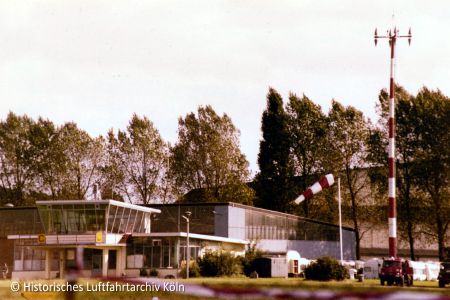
(194, 270)
(153, 273)
(143, 272)
(324, 269)
(247, 260)
(214, 264)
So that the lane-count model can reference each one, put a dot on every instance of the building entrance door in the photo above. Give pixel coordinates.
(96, 265)
(295, 266)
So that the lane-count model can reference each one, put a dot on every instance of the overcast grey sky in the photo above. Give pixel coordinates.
(96, 62)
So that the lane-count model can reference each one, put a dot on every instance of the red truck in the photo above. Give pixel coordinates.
(396, 271)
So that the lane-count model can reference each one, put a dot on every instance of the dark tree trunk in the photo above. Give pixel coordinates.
(409, 223)
(440, 237)
(411, 240)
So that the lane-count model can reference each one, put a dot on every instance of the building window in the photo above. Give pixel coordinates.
(28, 259)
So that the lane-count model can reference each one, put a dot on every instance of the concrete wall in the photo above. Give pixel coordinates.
(315, 249)
(312, 249)
(28, 275)
(229, 222)
(273, 246)
(221, 220)
(236, 222)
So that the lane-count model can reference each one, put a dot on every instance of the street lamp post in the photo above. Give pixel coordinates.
(188, 252)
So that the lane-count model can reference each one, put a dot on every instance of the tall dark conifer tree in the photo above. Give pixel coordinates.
(273, 189)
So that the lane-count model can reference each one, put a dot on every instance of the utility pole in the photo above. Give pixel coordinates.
(392, 35)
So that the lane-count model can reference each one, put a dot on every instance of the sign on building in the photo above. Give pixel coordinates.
(41, 239)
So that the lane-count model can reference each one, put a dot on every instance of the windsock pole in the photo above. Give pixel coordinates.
(391, 159)
(323, 183)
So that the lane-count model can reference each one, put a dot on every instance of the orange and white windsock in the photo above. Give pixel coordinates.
(323, 183)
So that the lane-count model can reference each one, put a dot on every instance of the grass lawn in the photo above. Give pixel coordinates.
(368, 286)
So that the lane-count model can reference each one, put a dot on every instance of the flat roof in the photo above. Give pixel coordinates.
(108, 201)
(153, 235)
(193, 236)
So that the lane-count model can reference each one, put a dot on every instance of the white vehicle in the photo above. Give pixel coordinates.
(372, 268)
(418, 270)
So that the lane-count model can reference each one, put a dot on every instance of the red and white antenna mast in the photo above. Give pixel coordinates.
(392, 35)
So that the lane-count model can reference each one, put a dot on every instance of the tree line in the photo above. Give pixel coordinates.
(300, 143)
(40, 160)
(423, 159)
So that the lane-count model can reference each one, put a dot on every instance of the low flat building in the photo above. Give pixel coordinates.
(112, 238)
(273, 232)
